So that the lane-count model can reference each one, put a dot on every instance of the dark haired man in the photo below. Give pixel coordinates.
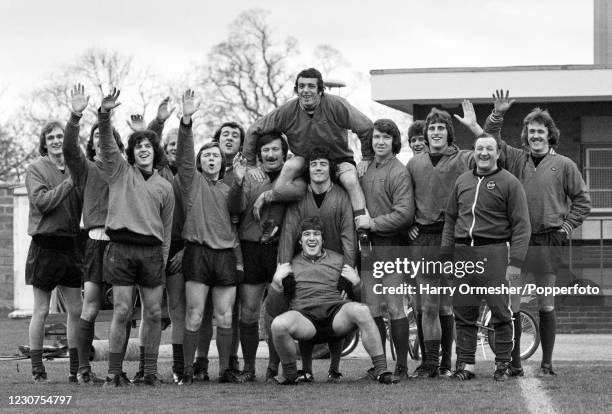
(487, 209)
(259, 258)
(90, 178)
(416, 137)
(317, 310)
(332, 205)
(208, 262)
(433, 174)
(139, 224)
(53, 258)
(558, 202)
(316, 119)
(230, 136)
(389, 199)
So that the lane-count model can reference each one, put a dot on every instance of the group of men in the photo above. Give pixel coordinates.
(220, 230)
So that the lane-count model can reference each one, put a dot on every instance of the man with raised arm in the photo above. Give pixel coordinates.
(317, 309)
(486, 210)
(316, 119)
(209, 262)
(230, 136)
(139, 225)
(390, 201)
(89, 176)
(558, 201)
(53, 257)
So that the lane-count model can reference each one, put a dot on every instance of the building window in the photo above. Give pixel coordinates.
(598, 175)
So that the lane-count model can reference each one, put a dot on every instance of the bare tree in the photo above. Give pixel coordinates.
(247, 75)
(14, 158)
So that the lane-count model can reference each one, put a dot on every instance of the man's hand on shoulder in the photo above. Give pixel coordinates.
(362, 167)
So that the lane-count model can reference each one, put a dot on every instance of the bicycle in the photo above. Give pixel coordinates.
(530, 337)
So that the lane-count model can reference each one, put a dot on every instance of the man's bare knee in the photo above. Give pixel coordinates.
(280, 326)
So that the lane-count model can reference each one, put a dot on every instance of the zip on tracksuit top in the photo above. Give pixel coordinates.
(547, 187)
(491, 207)
(141, 206)
(205, 203)
(327, 127)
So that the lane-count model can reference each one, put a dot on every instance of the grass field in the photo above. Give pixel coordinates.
(583, 385)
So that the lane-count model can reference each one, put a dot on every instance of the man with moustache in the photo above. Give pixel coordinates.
(259, 258)
(486, 209)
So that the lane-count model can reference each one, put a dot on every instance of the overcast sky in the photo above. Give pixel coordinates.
(38, 36)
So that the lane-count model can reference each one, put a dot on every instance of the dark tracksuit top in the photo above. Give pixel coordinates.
(327, 127)
(556, 193)
(205, 203)
(143, 207)
(491, 208)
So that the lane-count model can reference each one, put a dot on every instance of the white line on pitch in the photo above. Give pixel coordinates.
(534, 395)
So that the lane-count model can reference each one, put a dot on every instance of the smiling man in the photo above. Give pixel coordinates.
(317, 309)
(230, 137)
(316, 119)
(390, 201)
(259, 258)
(433, 174)
(209, 263)
(139, 225)
(486, 209)
(53, 258)
(558, 202)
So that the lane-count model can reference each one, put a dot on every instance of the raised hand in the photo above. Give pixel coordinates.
(163, 111)
(502, 103)
(109, 102)
(78, 100)
(136, 123)
(239, 167)
(190, 106)
(469, 117)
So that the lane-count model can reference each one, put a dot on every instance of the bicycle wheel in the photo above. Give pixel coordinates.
(413, 336)
(350, 343)
(530, 336)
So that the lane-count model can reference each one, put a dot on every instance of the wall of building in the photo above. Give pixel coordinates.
(6, 246)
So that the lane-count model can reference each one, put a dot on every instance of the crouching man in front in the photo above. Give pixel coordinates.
(314, 283)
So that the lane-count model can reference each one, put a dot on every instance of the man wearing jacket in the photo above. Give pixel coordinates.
(486, 209)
